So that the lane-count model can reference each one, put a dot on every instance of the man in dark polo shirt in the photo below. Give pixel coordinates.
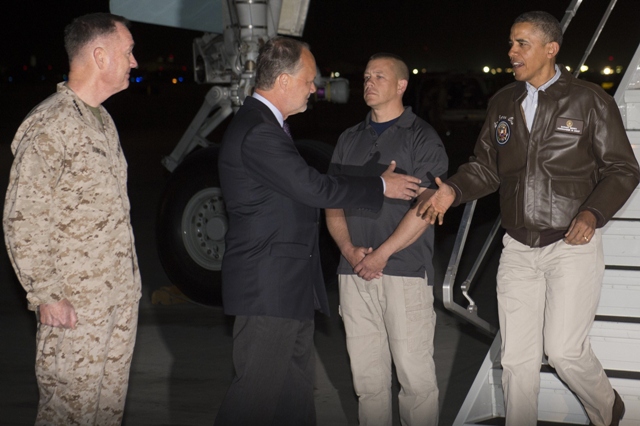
(386, 297)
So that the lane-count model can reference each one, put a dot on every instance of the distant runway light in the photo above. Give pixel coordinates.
(584, 68)
(174, 81)
(415, 71)
(486, 69)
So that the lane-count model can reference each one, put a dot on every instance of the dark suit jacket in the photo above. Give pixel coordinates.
(271, 264)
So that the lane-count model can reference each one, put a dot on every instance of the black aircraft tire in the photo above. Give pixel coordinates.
(191, 226)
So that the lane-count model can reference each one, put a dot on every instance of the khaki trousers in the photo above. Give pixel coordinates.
(547, 299)
(391, 318)
(83, 374)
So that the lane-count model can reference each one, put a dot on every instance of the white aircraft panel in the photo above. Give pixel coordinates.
(198, 15)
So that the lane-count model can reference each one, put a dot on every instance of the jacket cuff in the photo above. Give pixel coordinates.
(44, 295)
(456, 202)
(600, 220)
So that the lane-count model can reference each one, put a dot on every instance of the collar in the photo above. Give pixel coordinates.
(555, 89)
(553, 79)
(273, 109)
(406, 119)
(85, 114)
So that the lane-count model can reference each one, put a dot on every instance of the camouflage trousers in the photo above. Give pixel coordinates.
(83, 374)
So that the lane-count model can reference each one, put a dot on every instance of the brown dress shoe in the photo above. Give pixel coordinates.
(618, 410)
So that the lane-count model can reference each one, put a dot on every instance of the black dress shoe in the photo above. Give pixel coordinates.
(618, 410)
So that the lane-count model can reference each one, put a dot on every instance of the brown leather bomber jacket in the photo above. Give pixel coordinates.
(576, 157)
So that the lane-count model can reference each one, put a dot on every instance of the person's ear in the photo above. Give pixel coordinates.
(283, 81)
(100, 57)
(402, 86)
(552, 49)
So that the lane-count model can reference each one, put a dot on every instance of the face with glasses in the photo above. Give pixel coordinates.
(299, 86)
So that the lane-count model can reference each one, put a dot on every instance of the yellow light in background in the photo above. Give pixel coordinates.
(486, 69)
(174, 81)
(568, 68)
(493, 71)
(619, 69)
(499, 70)
(584, 68)
(415, 71)
(607, 71)
(607, 85)
(424, 70)
(337, 74)
(509, 70)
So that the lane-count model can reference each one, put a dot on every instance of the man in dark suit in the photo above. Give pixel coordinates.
(272, 278)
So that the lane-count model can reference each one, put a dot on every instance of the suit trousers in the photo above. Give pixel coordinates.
(274, 361)
(391, 319)
(83, 374)
(547, 300)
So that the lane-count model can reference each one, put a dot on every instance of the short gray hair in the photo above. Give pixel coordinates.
(87, 28)
(278, 56)
(546, 23)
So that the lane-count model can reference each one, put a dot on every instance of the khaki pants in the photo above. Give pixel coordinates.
(391, 318)
(547, 299)
(83, 374)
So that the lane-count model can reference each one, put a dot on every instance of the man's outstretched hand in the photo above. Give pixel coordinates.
(432, 207)
(399, 186)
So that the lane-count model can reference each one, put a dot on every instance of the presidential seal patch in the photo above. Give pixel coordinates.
(503, 132)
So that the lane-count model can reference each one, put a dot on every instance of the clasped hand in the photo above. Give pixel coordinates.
(366, 262)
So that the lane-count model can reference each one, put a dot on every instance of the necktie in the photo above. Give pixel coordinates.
(285, 127)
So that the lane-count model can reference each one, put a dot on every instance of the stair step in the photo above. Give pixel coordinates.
(620, 294)
(556, 403)
(616, 344)
(621, 243)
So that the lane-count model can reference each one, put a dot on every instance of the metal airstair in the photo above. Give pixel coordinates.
(615, 335)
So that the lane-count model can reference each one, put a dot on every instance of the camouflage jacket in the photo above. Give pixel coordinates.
(66, 216)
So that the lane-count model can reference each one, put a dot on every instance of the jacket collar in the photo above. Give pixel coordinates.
(84, 113)
(556, 91)
(252, 102)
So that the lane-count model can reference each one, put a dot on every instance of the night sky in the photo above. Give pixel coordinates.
(436, 35)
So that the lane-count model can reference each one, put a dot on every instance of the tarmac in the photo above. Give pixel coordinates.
(182, 362)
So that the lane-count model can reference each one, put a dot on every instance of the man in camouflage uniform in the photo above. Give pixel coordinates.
(68, 232)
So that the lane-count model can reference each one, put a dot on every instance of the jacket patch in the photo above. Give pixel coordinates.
(568, 125)
(503, 131)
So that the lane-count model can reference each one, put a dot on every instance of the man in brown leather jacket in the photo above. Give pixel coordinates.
(557, 150)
